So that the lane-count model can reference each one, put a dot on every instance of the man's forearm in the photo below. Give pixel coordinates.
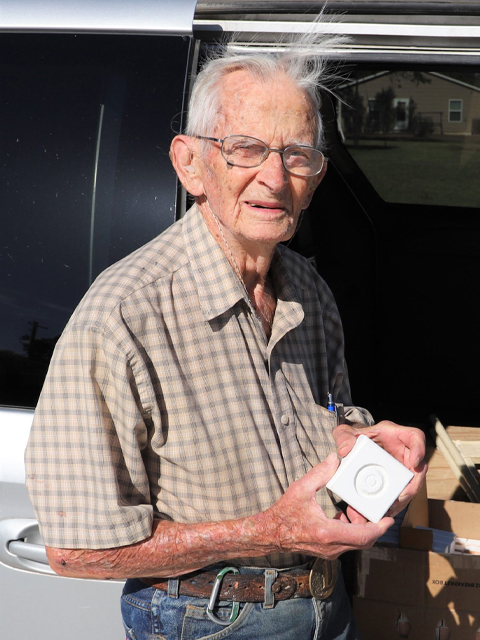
(173, 549)
(295, 524)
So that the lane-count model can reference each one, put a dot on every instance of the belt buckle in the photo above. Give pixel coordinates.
(323, 578)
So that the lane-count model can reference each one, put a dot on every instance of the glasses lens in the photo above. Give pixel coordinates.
(303, 161)
(243, 151)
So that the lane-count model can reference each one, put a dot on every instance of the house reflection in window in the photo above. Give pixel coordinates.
(455, 110)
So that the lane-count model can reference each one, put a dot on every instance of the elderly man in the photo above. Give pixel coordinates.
(182, 439)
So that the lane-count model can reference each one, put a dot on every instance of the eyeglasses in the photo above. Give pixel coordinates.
(247, 152)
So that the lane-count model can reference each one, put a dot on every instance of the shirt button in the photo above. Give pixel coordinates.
(284, 420)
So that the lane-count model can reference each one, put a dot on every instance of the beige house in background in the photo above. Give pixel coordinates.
(449, 104)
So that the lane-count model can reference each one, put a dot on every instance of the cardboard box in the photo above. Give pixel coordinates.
(421, 594)
(385, 621)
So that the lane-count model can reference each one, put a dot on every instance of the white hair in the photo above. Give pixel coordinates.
(302, 60)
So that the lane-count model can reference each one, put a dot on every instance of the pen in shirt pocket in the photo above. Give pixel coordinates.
(336, 408)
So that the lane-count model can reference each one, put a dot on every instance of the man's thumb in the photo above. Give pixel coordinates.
(322, 472)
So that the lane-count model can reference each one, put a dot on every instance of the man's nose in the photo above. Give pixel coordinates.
(272, 173)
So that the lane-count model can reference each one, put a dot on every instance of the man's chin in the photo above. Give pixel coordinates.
(272, 231)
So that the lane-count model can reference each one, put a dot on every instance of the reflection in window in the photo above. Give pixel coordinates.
(401, 114)
(85, 124)
(455, 108)
(414, 143)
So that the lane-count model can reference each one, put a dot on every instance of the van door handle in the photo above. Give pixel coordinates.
(21, 546)
(28, 551)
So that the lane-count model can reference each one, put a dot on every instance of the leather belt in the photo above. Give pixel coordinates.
(318, 583)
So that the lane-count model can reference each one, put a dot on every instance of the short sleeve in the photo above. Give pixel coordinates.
(84, 469)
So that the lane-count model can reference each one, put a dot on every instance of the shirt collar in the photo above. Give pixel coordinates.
(218, 286)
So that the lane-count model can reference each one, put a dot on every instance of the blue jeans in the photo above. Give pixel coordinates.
(150, 614)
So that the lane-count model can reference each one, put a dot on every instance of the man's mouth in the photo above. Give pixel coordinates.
(258, 205)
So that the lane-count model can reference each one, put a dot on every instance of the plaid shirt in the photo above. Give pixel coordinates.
(165, 399)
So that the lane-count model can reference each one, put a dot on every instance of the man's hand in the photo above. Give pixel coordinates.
(406, 444)
(302, 526)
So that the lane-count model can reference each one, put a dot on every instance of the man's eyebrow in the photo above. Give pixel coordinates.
(301, 144)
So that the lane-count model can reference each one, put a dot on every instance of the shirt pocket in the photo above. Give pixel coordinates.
(315, 439)
(314, 431)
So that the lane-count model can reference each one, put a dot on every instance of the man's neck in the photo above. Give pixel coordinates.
(251, 259)
(251, 262)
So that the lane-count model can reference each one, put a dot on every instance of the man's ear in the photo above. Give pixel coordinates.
(316, 180)
(183, 160)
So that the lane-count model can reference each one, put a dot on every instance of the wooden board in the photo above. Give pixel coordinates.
(441, 482)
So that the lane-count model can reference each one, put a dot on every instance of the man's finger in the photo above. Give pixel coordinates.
(355, 517)
(345, 438)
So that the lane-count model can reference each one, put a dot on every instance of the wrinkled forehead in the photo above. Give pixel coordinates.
(275, 107)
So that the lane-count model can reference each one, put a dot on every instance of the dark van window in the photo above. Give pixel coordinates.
(85, 126)
(415, 134)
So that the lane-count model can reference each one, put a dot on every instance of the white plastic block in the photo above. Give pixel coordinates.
(369, 479)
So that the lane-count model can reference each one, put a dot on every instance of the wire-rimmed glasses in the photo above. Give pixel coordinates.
(248, 152)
